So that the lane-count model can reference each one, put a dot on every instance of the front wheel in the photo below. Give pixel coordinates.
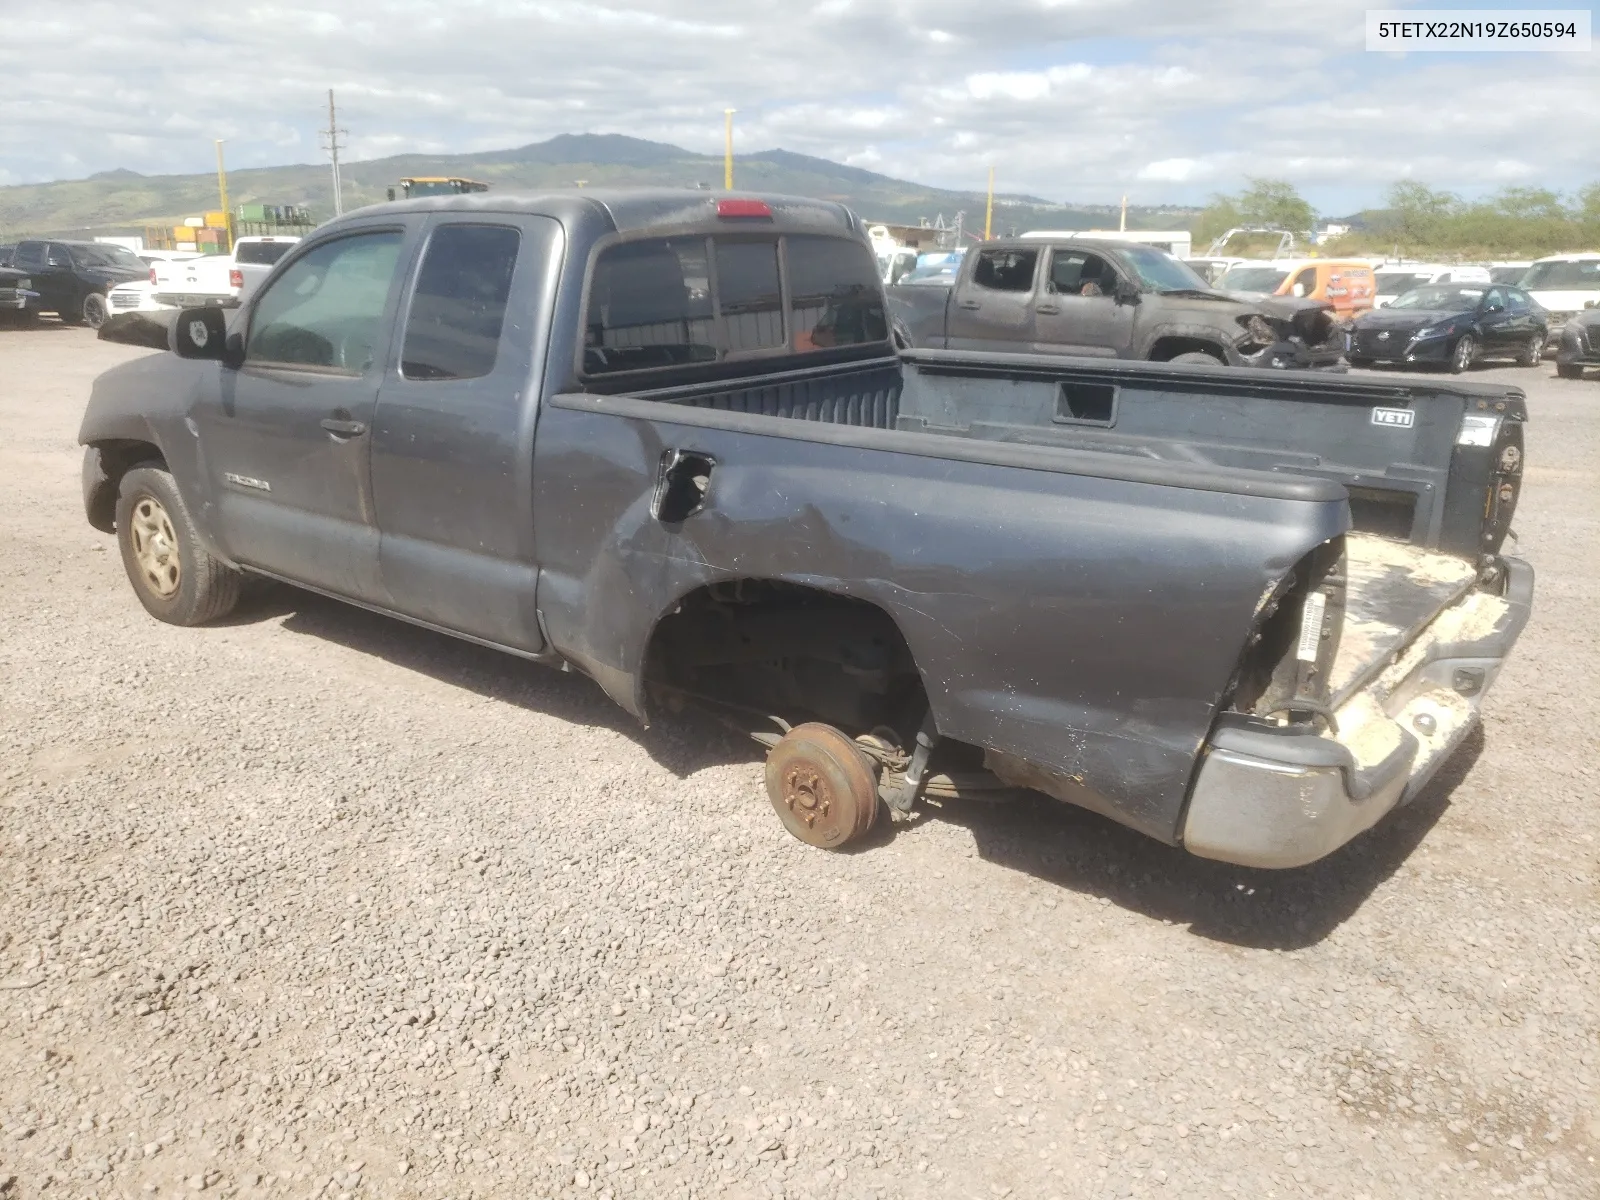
(1462, 356)
(1199, 358)
(1532, 353)
(1569, 370)
(95, 310)
(174, 577)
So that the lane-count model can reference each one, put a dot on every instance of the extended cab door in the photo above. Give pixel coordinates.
(452, 442)
(992, 307)
(285, 437)
(1078, 311)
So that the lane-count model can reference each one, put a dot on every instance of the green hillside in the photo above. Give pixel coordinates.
(124, 201)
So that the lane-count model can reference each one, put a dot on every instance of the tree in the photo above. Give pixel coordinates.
(1527, 202)
(1589, 204)
(1275, 203)
(1218, 216)
(1420, 212)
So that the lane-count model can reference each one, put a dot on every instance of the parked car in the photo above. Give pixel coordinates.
(940, 572)
(1508, 272)
(72, 278)
(1452, 325)
(1565, 284)
(939, 275)
(18, 300)
(1107, 300)
(1393, 279)
(1580, 344)
(1212, 269)
(220, 280)
(1346, 284)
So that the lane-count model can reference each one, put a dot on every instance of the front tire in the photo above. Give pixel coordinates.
(1198, 357)
(96, 311)
(1465, 352)
(174, 577)
(1569, 370)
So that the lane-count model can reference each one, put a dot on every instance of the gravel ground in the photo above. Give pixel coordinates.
(312, 903)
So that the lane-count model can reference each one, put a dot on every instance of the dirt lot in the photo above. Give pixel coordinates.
(314, 903)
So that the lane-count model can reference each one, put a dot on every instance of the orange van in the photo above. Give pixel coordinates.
(1346, 284)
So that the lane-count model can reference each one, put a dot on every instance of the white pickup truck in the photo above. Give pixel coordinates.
(217, 281)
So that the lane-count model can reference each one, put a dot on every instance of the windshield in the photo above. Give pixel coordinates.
(1252, 279)
(1392, 283)
(261, 254)
(1583, 276)
(107, 256)
(1160, 270)
(1507, 274)
(1440, 298)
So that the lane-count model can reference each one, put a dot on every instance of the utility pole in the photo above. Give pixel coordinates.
(988, 212)
(1122, 226)
(334, 146)
(727, 148)
(222, 191)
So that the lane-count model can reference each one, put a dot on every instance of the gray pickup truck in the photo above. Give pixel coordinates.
(663, 438)
(1106, 299)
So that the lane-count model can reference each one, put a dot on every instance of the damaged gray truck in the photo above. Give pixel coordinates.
(664, 439)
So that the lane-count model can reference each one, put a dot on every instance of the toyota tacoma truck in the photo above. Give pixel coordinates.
(664, 439)
(1106, 299)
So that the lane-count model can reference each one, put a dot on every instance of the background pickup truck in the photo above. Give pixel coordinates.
(1106, 299)
(662, 438)
(222, 280)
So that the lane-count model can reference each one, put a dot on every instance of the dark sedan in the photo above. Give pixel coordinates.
(1451, 325)
(1580, 344)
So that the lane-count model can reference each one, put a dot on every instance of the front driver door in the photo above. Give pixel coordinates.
(1496, 322)
(1078, 312)
(285, 439)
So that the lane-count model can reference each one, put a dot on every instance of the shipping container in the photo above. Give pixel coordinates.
(216, 220)
(183, 233)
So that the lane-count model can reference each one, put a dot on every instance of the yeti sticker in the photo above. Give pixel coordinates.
(1398, 418)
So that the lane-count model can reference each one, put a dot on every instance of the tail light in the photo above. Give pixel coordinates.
(152, 277)
(235, 278)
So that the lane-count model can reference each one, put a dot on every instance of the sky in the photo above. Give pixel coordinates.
(1166, 101)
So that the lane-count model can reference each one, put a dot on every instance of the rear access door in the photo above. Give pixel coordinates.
(452, 438)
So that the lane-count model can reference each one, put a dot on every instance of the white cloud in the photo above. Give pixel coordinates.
(1072, 99)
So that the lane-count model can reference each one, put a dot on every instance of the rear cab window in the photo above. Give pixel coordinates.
(666, 302)
(260, 254)
(1005, 270)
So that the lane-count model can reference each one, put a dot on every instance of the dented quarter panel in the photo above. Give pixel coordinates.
(1084, 623)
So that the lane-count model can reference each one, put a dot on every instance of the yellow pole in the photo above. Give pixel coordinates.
(727, 148)
(1122, 226)
(222, 191)
(988, 212)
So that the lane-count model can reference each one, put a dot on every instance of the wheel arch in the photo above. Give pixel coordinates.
(811, 603)
(105, 462)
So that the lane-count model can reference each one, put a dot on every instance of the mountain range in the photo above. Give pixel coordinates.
(123, 200)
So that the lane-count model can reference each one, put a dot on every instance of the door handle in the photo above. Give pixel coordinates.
(343, 428)
(1047, 309)
(970, 304)
(683, 481)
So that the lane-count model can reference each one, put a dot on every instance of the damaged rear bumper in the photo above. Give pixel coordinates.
(1279, 796)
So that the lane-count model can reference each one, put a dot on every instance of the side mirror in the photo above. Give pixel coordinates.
(1494, 308)
(1126, 293)
(391, 194)
(203, 333)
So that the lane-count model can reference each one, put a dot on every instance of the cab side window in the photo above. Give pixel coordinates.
(1005, 270)
(1496, 298)
(1079, 273)
(1305, 283)
(459, 306)
(28, 255)
(326, 309)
